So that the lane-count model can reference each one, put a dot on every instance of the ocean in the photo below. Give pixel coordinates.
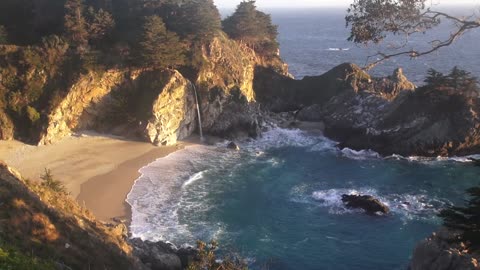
(276, 202)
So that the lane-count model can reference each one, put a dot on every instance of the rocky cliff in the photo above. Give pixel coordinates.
(389, 115)
(157, 106)
(437, 252)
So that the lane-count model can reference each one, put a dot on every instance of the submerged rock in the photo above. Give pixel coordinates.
(233, 146)
(370, 204)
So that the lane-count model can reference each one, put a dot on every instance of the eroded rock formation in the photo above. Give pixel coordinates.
(439, 252)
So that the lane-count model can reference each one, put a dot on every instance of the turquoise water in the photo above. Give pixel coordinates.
(277, 201)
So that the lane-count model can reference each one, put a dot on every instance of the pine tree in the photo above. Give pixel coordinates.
(100, 23)
(75, 24)
(195, 19)
(252, 27)
(160, 47)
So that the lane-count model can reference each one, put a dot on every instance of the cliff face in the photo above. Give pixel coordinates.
(388, 115)
(438, 253)
(85, 100)
(226, 86)
(157, 106)
(173, 112)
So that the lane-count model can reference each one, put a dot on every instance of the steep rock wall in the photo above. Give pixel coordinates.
(85, 99)
(226, 85)
(173, 112)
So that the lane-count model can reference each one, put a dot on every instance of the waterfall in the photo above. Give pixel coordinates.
(198, 112)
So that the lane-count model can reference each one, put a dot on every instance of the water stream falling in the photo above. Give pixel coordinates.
(198, 112)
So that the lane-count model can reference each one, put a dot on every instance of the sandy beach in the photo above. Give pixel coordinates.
(97, 170)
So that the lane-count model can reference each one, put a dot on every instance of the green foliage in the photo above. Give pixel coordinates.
(457, 81)
(3, 35)
(207, 260)
(49, 182)
(372, 20)
(466, 219)
(11, 259)
(159, 47)
(100, 23)
(32, 114)
(195, 19)
(252, 27)
(75, 24)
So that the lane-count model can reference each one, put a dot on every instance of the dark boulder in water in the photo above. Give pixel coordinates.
(233, 146)
(370, 204)
(475, 161)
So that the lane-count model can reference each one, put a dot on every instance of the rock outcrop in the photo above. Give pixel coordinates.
(163, 256)
(173, 114)
(85, 100)
(226, 87)
(6, 127)
(440, 252)
(388, 115)
(370, 204)
(154, 105)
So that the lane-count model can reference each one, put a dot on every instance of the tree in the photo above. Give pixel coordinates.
(466, 219)
(253, 27)
(160, 47)
(75, 24)
(49, 182)
(3, 35)
(100, 23)
(373, 20)
(456, 81)
(195, 19)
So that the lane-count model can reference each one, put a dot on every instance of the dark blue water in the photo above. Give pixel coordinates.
(309, 40)
(277, 201)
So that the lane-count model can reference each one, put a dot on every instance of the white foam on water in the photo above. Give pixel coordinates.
(360, 155)
(407, 206)
(194, 178)
(338, 49)
(435, 160)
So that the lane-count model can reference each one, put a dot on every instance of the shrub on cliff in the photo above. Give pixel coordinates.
(159, 47)
(206, 259)
(458, 81)
(51, 183)
(3, 35)
(466, 219)
(253, 27)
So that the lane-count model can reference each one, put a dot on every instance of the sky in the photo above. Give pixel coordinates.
(321, 3)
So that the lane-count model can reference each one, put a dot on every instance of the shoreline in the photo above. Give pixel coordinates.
(98, 170)
(105, 194)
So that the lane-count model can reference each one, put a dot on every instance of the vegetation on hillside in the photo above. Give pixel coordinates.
(466, 219)
(40, 220)
(207, 259)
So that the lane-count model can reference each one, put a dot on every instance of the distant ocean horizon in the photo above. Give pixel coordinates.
(313, 41)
